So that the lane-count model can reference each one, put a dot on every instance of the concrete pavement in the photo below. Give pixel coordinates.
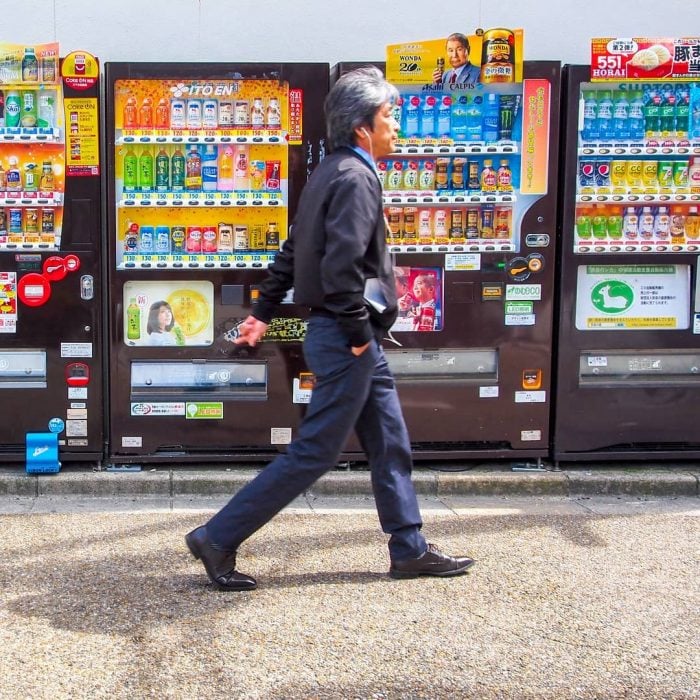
(576, 596)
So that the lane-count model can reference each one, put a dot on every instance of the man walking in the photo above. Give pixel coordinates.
(336, 260)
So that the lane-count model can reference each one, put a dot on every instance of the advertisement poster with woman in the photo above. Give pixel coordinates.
(168, 314)
(419, 291)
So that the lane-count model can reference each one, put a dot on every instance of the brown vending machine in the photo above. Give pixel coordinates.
(470, 201)
(628, 366)
(207, 164)
(51, 383)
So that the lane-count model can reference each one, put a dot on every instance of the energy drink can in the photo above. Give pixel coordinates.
(177, 240)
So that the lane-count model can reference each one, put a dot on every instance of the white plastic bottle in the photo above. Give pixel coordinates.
(662, 223)
(630, 224)
(646, 224)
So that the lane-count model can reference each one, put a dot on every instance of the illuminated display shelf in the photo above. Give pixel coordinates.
(265, 137)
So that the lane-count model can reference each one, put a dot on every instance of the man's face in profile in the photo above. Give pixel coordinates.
(457, 54)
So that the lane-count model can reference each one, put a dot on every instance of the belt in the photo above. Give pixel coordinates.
(316, 311)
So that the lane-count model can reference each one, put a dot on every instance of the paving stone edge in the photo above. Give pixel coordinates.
(159, 482)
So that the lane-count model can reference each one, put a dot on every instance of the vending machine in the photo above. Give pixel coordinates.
(470, 202)
(628, 365)
(207, 164)
(51, 346)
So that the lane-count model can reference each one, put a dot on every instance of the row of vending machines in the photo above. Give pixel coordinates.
(539, 318)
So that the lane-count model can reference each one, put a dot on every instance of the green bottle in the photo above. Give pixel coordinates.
(130, 171)
(162, 171)
(133, 320)
(177, 171)
(146, 170)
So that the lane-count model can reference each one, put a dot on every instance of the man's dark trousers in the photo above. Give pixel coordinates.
(350, 393)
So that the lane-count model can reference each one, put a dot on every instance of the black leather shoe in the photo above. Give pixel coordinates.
(220, 564)
(431, 563)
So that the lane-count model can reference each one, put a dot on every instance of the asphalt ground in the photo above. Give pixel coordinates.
(574, 596)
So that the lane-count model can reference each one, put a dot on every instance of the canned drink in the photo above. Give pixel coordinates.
(409, 225)
(618, 174)
(634, 174)
(586, 175)
(225, 238)
(241, 113)
(498, 56)
(456, 225)
(410, 175)
(257, 237)
(162, 244)
(240, 238)
(225, 114)
(178, 113)
(47, 221)
(15, 220)
(146, 239)
(441, 173)
(3, 223)
(602, 175)
(395, 224)
(502, 216)
(680, 175)
(487, 229)
(193, 239)
(257, 175)
(650, 181)
(664, 173)
(426, 175)
(177, 239)
(194, 114)
(210, 114)
(209, 239)
(272, 175)
(472, 227)
(458, 165)
(31, 221)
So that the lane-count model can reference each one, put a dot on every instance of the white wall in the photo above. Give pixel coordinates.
(327, 30)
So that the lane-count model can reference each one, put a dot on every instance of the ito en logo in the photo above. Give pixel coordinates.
(612, 297)
(179, 90)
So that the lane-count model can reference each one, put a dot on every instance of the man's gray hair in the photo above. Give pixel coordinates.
(353, 102)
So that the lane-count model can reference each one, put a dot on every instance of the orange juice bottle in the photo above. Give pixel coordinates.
(692, 223)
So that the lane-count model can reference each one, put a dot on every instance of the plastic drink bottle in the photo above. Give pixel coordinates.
(630, 223)
(14, 179)
(590, 130)
(667, 114)
(47, 182)
(225, 175)
(177, 171)
(13, 108)
(162, 171)
(682, 116)
(584, 224)
(604, 115)
(694, 175)
(146, 179)
(162, 120)
(193, 170)
(635, 120)
(210, 168)
(30, 67)
(428, 114)
(620, 124)
(146, 114)
(411, 124)
(692, 223)
(652, 114)
(46, 117)
(459, 118)
(646, 224)
(614, 225)
(490, 118)
(130, 171)
(444, 112)
(474, 131)
(662, 223)
(599, 224)
(133, 320)
(31, 183)
(677, 226)
(504, 177)
(131, 116)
